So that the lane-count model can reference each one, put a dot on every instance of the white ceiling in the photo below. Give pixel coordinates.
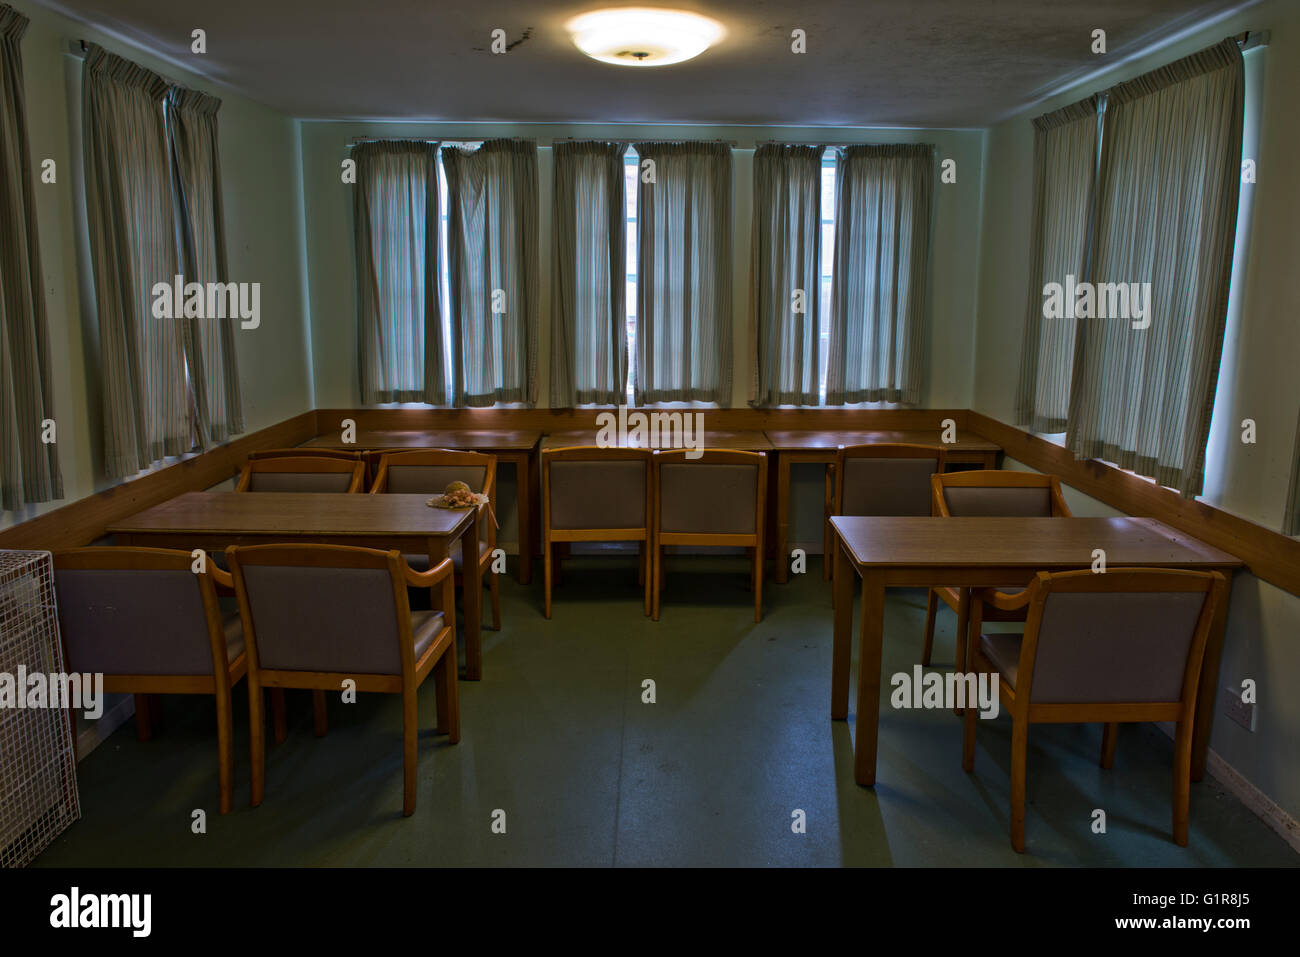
(921, 63)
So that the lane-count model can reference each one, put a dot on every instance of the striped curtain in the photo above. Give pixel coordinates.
(786, 247)
(1065, 174)
(683, 287)
(129, 211)
(492, 224)
(881, 279)
(399, 318)
(209, 342)
(589, 275)
(29, 467)
(1169, 177)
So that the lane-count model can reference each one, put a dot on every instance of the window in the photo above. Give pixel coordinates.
(828, 267)
(631, 167)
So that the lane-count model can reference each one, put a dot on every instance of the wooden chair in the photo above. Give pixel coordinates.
(882, 479)
(990, 493)
(301, 452)
(592, 494)
(429, 472)
(1124, 645)
(302, 473)
(717, 499)
(317, 615)
(151, 625)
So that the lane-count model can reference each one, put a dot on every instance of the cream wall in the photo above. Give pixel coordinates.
(262, 195)
(1258, 379)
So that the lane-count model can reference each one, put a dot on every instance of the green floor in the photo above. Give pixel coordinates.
(557, 737)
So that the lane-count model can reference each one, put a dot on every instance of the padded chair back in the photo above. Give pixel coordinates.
(596, 488)
(321, 608)
(1129, 635)
(886, 479)
(430, 471)
(136, 611)
(716, 494)
(304, 473)
(998, 494)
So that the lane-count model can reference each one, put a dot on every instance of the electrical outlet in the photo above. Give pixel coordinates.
(1238, 710)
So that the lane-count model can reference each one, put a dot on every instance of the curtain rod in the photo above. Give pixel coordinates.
(1251, 39)
(637, 139)
(79, 49)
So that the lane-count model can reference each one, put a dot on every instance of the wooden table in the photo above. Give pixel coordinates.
(802, 445)
(516, 446)
(742, 441)
(989, 552)
(213, 520)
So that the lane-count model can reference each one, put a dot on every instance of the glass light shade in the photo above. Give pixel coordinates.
(641, 36)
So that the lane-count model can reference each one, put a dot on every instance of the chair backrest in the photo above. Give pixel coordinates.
(301, 452)
(137, 611)
(720, 493)
(1125, 636)
(323, 608)
(885, 479)
(430, 471)
(995, 493)
(592, 488)
(302, 473)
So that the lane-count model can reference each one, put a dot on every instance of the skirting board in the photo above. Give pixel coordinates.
(91, 734)
(1264, 807)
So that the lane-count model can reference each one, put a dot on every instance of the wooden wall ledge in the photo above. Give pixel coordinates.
(1271, 555)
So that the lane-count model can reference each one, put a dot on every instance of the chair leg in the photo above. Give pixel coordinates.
(547, 561)
(659, 579)
(1108, 734)
(969, 721)
(320, 718)
(640, 563)
(410, 752)
(963, 629)
(827, 545)
(648, 565)
(143, 719)
(1019, 755)
(931, 607)
(445, 683)
(1182, 780)
(278, 716)
(758, 585)
(225, 752)
(494, 589)
(256, 744)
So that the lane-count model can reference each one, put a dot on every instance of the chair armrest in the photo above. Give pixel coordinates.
(431, 577)
(224, 581)
(1001, 600)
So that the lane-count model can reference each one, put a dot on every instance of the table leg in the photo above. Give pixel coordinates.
(841, 647)
(782, 516)
(869, 654)
(472, 596)
(1207, 695)
(523, 497)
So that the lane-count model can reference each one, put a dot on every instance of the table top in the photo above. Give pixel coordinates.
(1029, 543)
(743, 441)
(809, 440)
(501, 440)
(297, 514)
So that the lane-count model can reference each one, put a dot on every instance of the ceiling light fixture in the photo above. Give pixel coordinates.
(642, 36)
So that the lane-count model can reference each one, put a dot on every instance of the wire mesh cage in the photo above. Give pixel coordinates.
(38, 767)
